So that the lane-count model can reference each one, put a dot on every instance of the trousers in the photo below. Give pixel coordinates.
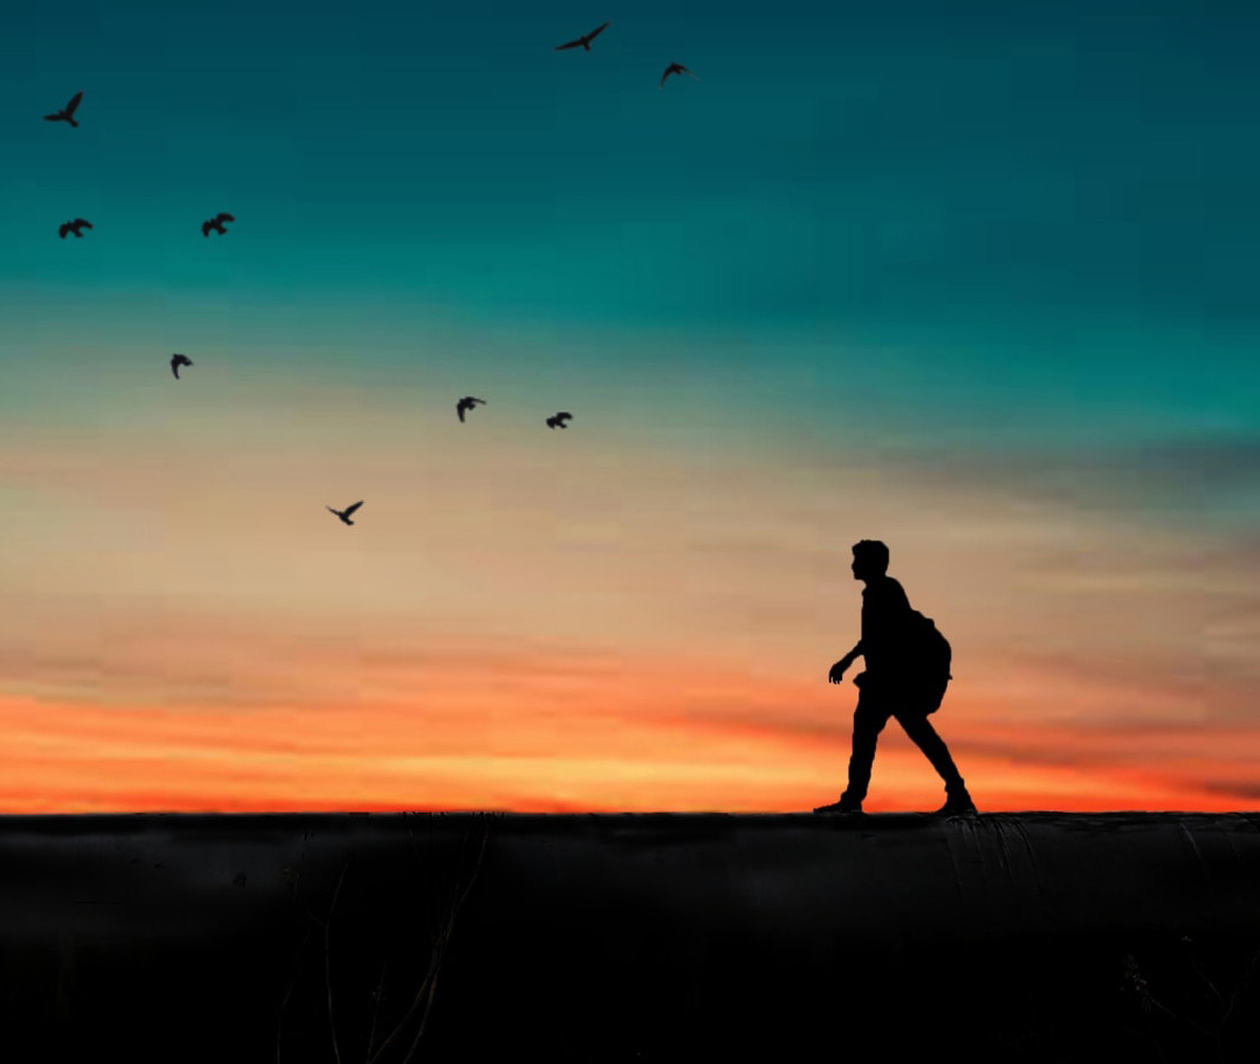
(872, 713)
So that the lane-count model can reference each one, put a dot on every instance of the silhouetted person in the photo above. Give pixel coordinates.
(177, 361)
(674, 68)
(584, 40)
(558, 420)
(345, 514)
(76, 227)
(66, 114)
(216, 223)
(898, 682)
(465, 404)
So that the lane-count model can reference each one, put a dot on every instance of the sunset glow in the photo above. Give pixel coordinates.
(837, 288)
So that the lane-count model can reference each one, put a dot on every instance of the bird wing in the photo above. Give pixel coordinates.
(205, 228)
(63, 229)
(83, 221)
(686, 71)
(175, 367)
(351, 509)
(332, 511)
(571, 44)
(459, 409)
(668, 71)
(565, 413)
(224, 217)
(74, 102)
(52, 118)
(595, 33)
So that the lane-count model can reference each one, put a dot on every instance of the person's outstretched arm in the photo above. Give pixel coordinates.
(837, 670)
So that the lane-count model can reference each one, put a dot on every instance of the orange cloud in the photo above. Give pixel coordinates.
(539, 732)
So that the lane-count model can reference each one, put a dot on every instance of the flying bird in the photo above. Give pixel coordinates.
(66, 114)
(466, 403)
(584, 40)
(345, 514)
(216, 223)
(177, 361)
(76, 227)
(558, 420)
(674, 68)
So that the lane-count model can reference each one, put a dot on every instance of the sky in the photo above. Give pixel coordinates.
(976, 278)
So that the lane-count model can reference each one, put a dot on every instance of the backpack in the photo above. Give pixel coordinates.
(927, 660)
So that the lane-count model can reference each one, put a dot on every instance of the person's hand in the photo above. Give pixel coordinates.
(837, 671)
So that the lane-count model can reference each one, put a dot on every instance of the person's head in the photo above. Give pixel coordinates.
(870, 559)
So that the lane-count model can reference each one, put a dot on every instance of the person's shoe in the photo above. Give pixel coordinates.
(845, 805)
(958, 803)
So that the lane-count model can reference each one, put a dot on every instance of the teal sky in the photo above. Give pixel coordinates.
(972, 225)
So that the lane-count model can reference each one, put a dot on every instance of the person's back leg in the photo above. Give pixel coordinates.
(925, 737)
(868, 721)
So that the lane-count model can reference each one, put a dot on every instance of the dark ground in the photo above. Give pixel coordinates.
(1015, 937)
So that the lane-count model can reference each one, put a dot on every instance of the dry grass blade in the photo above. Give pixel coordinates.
(332, 1023)
(423, 1001)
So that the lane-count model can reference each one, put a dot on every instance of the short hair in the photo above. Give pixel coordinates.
(874, 550)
